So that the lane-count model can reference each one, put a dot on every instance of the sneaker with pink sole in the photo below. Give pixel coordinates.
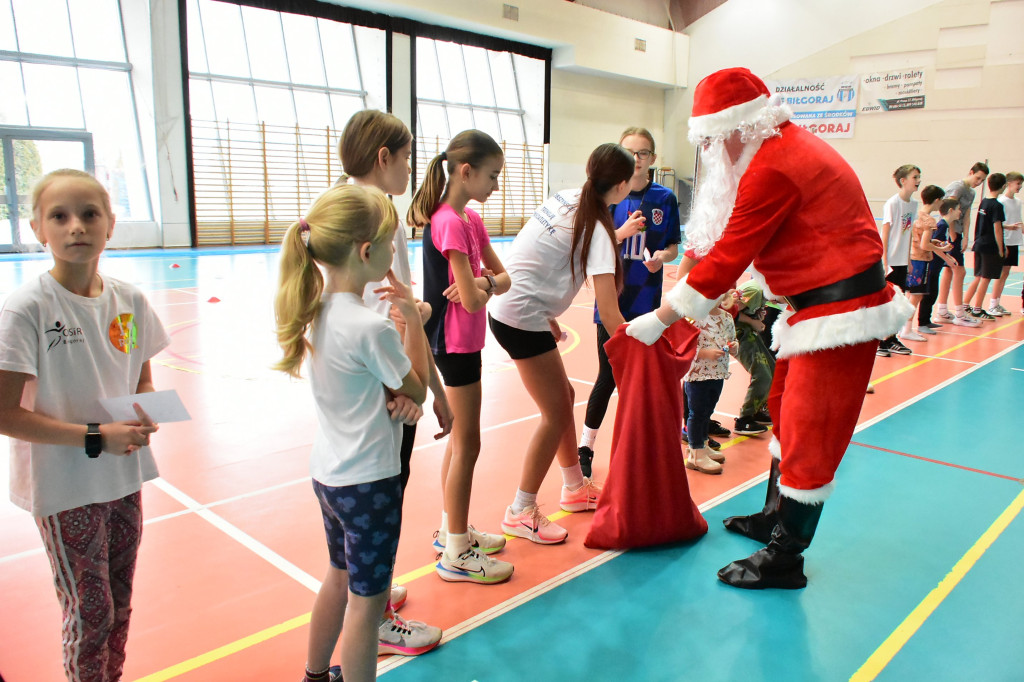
(533, 526)
(406, 637)
(583, 498)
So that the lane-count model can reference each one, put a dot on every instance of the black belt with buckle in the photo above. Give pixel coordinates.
(868, 282)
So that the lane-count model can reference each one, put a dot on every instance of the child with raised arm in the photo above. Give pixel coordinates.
(988, 247)
(374, 149)
(461, 272)
(922, 251)
(357, 364)
(571, 236)
(1012, 238)
(68, 339)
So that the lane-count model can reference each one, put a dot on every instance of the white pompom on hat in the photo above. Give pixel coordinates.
(726, 101)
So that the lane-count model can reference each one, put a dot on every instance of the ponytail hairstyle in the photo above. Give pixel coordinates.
(365, 134)
(339, 221)
(608, 166)
(470, 146)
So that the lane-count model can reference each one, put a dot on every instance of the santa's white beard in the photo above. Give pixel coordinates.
(716, 194)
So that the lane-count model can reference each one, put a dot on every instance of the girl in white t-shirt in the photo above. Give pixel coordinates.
(357, 364)
(570, 237)
(374, 150)
(68, 339)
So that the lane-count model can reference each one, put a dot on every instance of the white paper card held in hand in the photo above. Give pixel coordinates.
(161, 406)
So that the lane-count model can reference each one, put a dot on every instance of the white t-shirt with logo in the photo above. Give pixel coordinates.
(1012, 211)
(900, 216)
(542, 283)
(77, 350)
(356, 353)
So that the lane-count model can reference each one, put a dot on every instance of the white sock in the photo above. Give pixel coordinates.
(907, 327)
(523, 501)
(588, 438)
(572, 477)
(456, 544)
(960, 311)
(942, 308)
(444, 524)
(993, 302)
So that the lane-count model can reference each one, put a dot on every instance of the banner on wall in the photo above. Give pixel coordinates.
(892, 91)
(825, 106)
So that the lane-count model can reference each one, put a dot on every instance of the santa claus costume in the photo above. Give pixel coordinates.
(776, 196)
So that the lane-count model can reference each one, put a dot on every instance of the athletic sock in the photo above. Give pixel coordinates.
(522, 501)
(993, 302)
(444, 524)
(455, 544)
(588, 438)
(572, 476)
(942, 308)
(323, 676)
(960, 311)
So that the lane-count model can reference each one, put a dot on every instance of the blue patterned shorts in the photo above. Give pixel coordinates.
(362, 523)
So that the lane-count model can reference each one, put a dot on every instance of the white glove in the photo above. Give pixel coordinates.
(647, 328)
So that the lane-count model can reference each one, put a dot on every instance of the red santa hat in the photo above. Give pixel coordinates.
(727, 100)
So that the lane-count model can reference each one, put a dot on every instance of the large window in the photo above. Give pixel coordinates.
(268, 92)
(64, 67)
(502, 93)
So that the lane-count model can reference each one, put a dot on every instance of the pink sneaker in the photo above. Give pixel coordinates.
(583, 498)
(533, 526)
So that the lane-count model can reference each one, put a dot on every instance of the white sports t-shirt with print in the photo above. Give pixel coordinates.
(356, 353)
(77, 350)
(1012, 211)
(900, 216)
(543, 286)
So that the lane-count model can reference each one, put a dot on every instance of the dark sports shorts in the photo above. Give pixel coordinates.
(459, 369)
(956, 252)
(521, 344)
(1012, 256)
(988, 264)
(362, 523)
(898, 276)
(917, 276)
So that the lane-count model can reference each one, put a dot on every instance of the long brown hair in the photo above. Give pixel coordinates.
(365, 134)
(470, 146)
(608, 165)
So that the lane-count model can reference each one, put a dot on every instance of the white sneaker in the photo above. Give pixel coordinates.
(996, 311)
(926, 330)
(940, 318)
(534, 526)
(1003, 311)
(910, 336)
(488, 543)
(406, 637)
(966, 321)
(473, 567)
(399, 593)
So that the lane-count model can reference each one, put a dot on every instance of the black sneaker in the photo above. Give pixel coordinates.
(715, 428)
(896, 347)
(763, 417)
(714, 444)
(981, 314)
(746, 426)
(883, 349)
(586, 458)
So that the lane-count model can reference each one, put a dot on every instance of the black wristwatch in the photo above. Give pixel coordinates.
(93, 441)
(493, 282)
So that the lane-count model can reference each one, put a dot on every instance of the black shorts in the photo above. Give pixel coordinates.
(956, 253)
(459, 369)
(521, 344)
(1012, 256)
(988, 264)
(917, 276)
(898, 276)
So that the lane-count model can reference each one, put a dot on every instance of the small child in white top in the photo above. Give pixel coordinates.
(68, 339)
(357, 363)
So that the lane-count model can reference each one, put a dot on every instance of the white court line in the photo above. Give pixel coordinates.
(994, 338)
(936, 357)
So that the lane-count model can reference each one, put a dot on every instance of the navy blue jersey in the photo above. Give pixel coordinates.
(641, 290)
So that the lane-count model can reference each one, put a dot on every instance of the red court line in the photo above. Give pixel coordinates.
(937, 461)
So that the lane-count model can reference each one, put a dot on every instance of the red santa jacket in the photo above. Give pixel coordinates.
(802, 219)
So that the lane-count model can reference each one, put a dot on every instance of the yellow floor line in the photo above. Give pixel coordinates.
(902, 634)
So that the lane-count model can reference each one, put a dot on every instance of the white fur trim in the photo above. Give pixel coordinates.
(688, 302)
(815, 496)
(841, 329)
(775, 447)
(727, 120)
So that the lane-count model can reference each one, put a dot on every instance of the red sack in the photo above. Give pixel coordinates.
(646, 498)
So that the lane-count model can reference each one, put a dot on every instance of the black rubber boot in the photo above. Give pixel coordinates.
(759, 526)
(780, 564)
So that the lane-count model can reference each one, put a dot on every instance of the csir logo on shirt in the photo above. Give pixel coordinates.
(61, 334)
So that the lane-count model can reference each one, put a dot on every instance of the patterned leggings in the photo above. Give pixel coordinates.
(92, 551)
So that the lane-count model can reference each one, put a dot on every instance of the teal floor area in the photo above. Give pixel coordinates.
(892, 531)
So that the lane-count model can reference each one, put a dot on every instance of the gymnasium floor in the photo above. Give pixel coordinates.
(914, 573)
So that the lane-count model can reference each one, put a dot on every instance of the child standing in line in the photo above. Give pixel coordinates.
(570, 237)
(644, 257)
(68, 339)
(989, 251)
(1012, 238)
(952, 279)
(949, 212)
(703, 384)
(374, 150)
(357, 361)
(461, 272)
(898, 216)
(922, 250)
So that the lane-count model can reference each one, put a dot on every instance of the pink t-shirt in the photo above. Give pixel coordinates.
(464, 332)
